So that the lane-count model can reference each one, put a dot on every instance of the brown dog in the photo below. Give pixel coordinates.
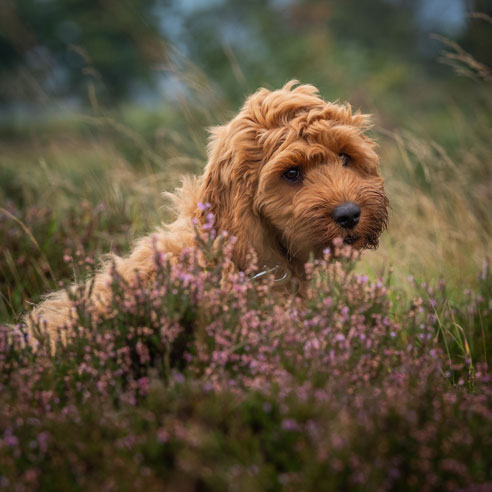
(288, 175)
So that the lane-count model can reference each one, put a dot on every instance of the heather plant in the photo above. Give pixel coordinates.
(462, 327)
(207, 379)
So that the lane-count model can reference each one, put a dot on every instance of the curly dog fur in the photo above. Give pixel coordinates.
(275, 175)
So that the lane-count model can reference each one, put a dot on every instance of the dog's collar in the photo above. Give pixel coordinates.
(285, 275)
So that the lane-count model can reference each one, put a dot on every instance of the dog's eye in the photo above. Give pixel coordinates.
(345, 159)
(293, 174)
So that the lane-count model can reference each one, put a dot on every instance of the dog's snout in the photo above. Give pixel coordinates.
(347, 215)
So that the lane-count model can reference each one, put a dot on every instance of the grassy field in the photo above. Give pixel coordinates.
(380, 382)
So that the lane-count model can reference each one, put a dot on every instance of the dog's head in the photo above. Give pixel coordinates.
(290, 173)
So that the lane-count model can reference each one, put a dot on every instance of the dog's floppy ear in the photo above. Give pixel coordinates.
(217, 179)
(230, 180)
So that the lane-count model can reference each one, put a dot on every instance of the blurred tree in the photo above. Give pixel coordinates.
(476, 39)
(60, 47)
(371, 51)
(335, 45)
(355, 48)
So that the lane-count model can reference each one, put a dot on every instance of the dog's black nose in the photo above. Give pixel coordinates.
(347, 215)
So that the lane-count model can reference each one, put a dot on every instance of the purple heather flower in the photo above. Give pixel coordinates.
(290, 425)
